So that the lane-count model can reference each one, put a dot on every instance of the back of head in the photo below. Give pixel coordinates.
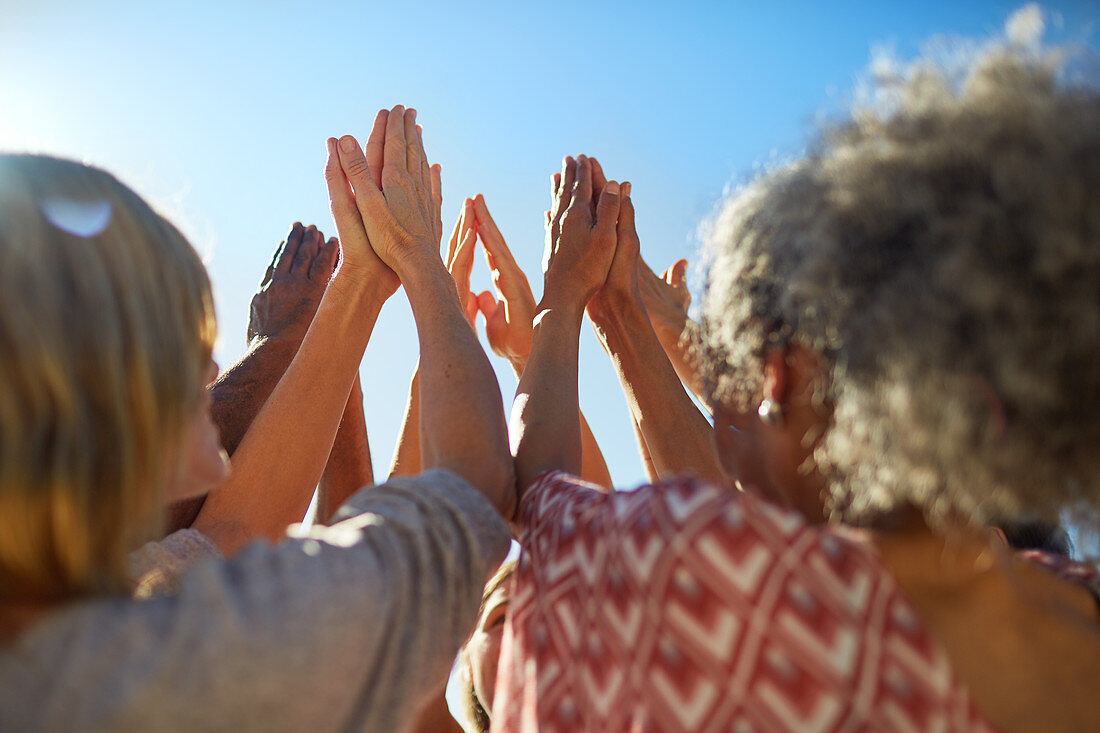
(941, 252)
(106, 322)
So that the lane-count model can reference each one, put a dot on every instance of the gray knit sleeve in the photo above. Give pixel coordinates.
(346, 628)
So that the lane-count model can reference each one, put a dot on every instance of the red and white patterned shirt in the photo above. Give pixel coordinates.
(684, 606)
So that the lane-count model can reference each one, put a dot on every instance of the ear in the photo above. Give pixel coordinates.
(803, 374)
(776, 375)
(790, 373)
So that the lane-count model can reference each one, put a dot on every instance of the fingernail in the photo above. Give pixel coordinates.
(626, 188)
(612, 188)
(347, 143)
(331, 144)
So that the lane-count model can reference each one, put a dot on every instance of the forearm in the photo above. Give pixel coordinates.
(290, 440)
(678, 350)
(462, 426)
(593, 466)
(241, 390)
(236, 396)
(676, 433)
(643, 451)
(406, 454)
(349, 465)
(545, 428)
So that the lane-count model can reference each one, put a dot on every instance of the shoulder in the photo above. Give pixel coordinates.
(733, 534)
(677, 506)
(1065, 568)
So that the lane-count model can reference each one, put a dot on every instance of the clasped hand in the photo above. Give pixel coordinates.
(508, 316)
(386, 200)
(592, 248)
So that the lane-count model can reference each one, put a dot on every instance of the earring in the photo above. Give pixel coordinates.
(770, 412)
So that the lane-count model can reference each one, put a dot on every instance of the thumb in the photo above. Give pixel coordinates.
(676, 275)
(486, 303)
(470, 308)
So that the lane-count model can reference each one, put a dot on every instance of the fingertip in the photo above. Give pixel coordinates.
(348, 144)
(486, 301)
(626, 188)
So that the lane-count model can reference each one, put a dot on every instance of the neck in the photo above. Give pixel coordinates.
(955, 555)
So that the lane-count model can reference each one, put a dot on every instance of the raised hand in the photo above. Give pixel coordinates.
(460, 258)
(392, 212)
(667, 300)
(622, 288)
(507, 320)
(389, 207)
(580, 245)
(675, 433)
(666, 297)
(292, 286)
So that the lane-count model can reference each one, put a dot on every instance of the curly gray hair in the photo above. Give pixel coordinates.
(943, 258)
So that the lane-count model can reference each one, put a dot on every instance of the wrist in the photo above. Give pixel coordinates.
(362, 284)
(424, 274)
(617, 306)
(670, 332)
(283, 341)
(619, 328)
(559, 307)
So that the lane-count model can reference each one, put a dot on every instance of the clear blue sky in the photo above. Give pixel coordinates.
(218, 112)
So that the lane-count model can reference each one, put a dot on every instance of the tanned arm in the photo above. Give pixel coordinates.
(677, 434)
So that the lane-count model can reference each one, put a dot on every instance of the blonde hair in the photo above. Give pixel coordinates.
(106, 322)
(941, 252)
(474, 717)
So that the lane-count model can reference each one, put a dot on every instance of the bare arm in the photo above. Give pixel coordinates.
(460, 254)
(280, 313)
(676, 433)
(349, 465)
(643, 451)
(462, 425)
(593, 466)
(286, 449)
(546, 431)
(406, 454)
(667, 299)
(508, 325)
